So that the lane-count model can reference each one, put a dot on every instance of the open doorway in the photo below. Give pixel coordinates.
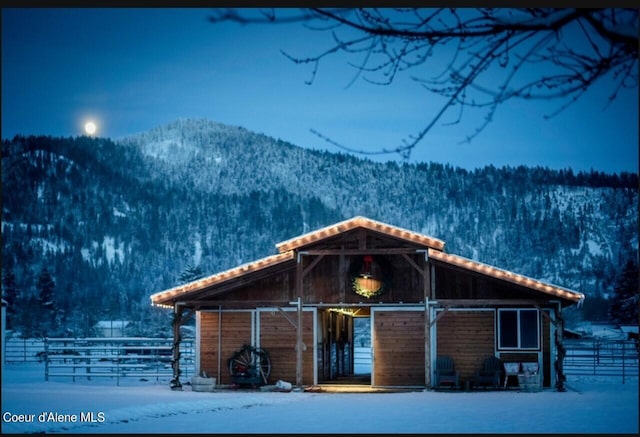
(345, 346)
(362, 346)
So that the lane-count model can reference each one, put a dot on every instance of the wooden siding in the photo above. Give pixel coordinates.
(278, 337)
(236, 331)
(398, 348)
(277, 287)
(467, 337)
(455, 283)
(330, 280)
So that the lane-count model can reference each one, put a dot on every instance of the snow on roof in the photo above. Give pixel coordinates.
(162, 298)
(359, 222)
(629, 328)
(434, 247)
(112, 324)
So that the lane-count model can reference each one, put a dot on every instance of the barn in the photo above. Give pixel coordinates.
(301, 304)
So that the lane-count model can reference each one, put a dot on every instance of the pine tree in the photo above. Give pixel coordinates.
(10, 295)
(190, 273)
(624, 307)
(45, 286)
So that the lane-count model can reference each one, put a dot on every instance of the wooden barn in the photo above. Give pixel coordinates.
(300, 305)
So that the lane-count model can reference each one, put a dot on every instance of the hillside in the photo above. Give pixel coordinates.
(114, 221)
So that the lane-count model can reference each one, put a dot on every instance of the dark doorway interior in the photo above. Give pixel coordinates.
(345, 355)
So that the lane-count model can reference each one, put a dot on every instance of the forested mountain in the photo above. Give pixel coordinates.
(91, 227)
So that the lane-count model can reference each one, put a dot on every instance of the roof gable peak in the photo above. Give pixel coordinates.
(359, 222)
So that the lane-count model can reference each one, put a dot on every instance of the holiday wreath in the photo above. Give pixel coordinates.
(370, 276)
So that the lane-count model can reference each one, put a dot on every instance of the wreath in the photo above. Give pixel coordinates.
(370, 286)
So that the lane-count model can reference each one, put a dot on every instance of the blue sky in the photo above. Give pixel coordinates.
(134, 69)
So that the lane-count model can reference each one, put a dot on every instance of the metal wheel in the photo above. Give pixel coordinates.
(250, 365)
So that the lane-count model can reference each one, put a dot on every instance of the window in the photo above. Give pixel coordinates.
(518, 329)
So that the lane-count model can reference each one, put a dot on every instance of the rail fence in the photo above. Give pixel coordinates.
(151, 357)
(97, 357)
(598, 357)
(23, 350)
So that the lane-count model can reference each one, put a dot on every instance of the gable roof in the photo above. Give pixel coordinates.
(359, 222)
(287, 250)
(506, 275)
(165, 297)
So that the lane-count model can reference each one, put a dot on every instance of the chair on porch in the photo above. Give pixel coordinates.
(490, 373)
(446, 373)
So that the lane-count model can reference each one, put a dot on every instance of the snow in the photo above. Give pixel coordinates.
(118, 213)
(594, 247)
(590, 405)
(197, 255)
(109, 246)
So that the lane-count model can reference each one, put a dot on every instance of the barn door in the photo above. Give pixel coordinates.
(398, 347)
(276, 333)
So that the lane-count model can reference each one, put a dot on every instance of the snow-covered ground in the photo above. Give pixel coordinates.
(589, 406)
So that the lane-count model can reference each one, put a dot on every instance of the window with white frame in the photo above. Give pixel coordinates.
(518, 329)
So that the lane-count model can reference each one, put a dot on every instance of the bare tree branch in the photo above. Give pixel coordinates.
(490, 52)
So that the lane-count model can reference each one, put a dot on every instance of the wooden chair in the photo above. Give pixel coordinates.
(446, 373)
(490, 373)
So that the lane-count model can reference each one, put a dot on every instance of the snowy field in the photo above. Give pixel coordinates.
(589, 406)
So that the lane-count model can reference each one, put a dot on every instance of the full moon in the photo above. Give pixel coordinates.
(90, 128)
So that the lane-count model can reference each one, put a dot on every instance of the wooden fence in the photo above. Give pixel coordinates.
(598, 357)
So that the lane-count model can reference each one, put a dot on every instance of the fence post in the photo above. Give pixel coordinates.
(46, 358)
(624, 346)
(89, 359)
(118, 363)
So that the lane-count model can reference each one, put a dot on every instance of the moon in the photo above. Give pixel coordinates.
(90, 128)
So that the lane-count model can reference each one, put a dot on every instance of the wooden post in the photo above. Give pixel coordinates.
(175, 358)
(299, 287)
(559, 364)
(426, 279)
(299, 346)
(46, 357)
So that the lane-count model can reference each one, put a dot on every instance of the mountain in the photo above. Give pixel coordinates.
(113, 221)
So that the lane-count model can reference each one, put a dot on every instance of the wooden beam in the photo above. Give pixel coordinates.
(546, 316)
(561, 350)
(426, 288)
(312, 265)
(371, 251)
(175, 351)
(413, 263)
(485, 302)
(343, 271)
(432, 280)
(300, 293)
(439, 316)
(362, 239)
(284, 314)
(232, 304)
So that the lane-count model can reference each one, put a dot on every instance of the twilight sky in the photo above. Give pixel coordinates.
(131, 70)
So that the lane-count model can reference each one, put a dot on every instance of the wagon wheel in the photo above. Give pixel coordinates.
(250, 362)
